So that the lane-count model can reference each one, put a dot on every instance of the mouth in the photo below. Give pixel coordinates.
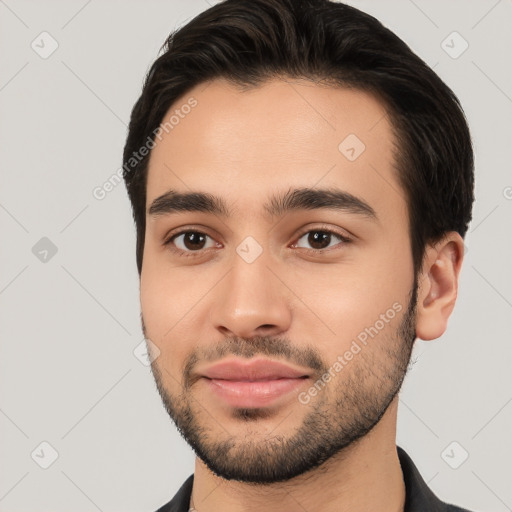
(257, 383)
(255, 393)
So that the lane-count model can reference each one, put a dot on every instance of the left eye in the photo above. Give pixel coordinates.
(320, 239)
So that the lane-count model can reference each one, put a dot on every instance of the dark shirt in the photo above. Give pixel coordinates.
(418, 496)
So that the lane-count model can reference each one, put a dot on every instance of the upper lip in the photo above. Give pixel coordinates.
(253, 370)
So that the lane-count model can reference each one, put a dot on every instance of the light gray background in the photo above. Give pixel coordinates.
(69, 325)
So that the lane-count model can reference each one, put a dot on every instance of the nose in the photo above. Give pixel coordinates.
(251, 301)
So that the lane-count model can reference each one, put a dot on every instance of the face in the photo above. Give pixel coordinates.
(276, 232)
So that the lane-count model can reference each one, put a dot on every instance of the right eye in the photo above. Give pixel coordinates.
(189, 241)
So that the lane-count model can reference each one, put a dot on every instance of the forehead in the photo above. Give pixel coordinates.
(242, 143)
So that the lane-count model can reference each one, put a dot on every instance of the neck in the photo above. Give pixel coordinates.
(364, 476)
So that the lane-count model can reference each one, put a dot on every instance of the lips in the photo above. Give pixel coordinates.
(256, 383)
(255, 370)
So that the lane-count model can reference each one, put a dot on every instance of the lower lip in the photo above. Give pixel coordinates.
(254, 393)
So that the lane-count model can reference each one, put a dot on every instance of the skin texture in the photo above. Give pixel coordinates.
(289, 304)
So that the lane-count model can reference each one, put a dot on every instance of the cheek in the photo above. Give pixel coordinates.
(172, 305)
(349, 299)
(167, 293)
(162, 305)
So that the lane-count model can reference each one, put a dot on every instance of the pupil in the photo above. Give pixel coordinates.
(316, 238)
(194, 240)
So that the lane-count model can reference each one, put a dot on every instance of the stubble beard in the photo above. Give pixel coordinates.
(338, 417)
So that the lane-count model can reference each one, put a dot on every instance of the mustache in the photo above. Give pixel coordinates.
(278, 348)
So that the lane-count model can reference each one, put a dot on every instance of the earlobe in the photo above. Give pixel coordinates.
(438, 285)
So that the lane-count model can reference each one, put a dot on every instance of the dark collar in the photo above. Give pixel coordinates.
(418, 496)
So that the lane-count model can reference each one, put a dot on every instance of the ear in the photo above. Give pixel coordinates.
(438, 284)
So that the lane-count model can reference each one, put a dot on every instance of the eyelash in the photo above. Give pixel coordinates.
(187, 254)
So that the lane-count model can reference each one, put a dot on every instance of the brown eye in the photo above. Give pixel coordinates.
(191, 241)
(319, 239)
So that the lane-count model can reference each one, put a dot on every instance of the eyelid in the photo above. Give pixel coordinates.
(168, 240)
(343, 236)
(197, 228)
(328, 229)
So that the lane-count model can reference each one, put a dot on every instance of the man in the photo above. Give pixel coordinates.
(301, 184)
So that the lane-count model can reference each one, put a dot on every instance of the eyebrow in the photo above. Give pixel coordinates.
(295, 199)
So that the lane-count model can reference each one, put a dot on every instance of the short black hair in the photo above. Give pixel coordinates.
(249, 42)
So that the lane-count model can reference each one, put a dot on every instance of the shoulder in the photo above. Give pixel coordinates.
(180, 501)
(453, 508)
(418, 495)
